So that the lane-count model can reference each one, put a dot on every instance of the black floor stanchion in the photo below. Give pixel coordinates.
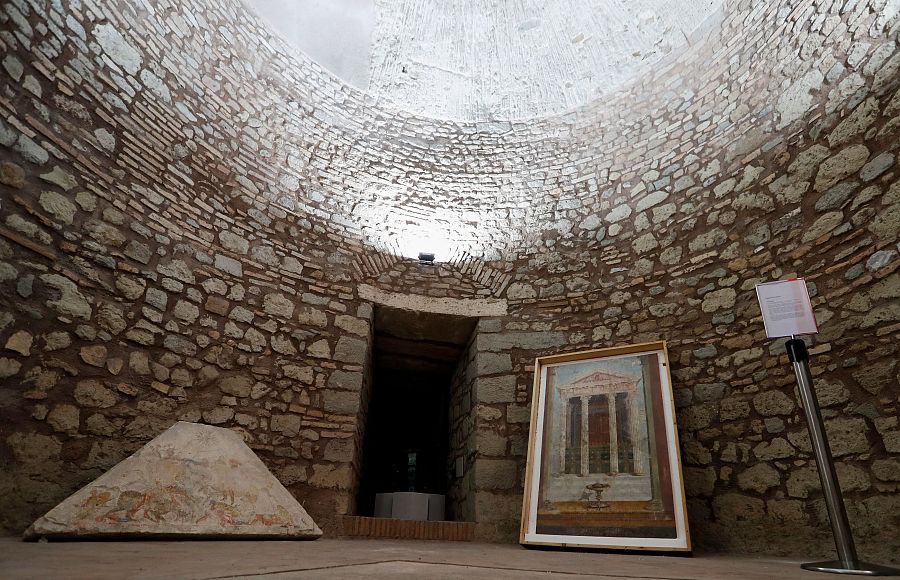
(847, 562)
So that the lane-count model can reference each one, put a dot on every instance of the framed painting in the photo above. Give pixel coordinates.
(603, 467)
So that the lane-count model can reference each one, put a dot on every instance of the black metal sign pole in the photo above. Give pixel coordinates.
(848, 562)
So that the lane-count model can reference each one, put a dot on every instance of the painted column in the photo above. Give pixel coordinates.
(564, 436)
(613, 435)
(656, 503)
(637, 452)
(585, 436)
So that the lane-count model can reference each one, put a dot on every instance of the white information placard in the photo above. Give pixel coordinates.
(786, 308)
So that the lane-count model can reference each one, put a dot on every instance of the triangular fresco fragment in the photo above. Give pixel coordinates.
(191, 481)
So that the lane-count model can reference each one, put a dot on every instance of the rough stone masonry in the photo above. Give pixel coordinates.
(189, 209)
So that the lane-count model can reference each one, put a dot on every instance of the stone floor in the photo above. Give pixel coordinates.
(358, 559)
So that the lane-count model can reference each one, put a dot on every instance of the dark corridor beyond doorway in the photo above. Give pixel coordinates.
(407, 433)
(406, 436)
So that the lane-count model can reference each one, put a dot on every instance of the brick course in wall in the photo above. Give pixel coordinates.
(188, 212)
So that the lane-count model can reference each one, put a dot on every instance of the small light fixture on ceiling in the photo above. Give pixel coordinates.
(426, 258)
(426, 242)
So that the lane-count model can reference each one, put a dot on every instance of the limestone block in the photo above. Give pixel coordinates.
(735, 507)
(218, 415)
(777, 448)
(697, 417)
(520, 291)
(20, 342)
(303, 374)
(9, 367)
(518, 414)
(331, 477)
(831, 392)
(58, 206)
(847, 435)
(131, 288)
(8, 272)
(886, 469)
(719, 299)
(180, 345)
(282, 344)
(34, 451)
(351, 350)
(309, 316)
(138, 251)
(699, 481)
(111, 318)
(886, 223)
(105, 234)
(229, 265)
(93, 355)
(352, 324)
(873, 378)
(241, 314)
(186, 311)
(276, 304)
(485, 413)
(786, 510)
(339, 450)
(289, 425)
(238, 386)
(798, 99)
(705, 392)
(695, 453)
(495, 474)
(802, 480)
(500, 389)
(488, 363)
(12, 175)
(855, 123)
(771, 403)
(842, 164)
(117, 48)
(759, 478)
(490, 443)
(707, 240)
(494, 342)
(493, 507)
(877, 166)
(217, 305)
(319, 349)
(70, 301)
(618, 213)
(341, 402)
(344, 380)
(178, 270)
(823, 225)
(65, 418)
(851, 477)
(92, 393)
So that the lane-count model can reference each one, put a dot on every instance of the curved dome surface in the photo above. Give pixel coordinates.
(474, 60)
(406, 183)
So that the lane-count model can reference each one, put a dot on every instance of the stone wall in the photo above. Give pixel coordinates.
(460, 498)
(194, 223)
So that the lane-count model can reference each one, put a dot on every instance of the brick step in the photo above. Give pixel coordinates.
(359, 526)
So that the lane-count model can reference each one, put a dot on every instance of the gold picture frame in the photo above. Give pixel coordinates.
(604, 468)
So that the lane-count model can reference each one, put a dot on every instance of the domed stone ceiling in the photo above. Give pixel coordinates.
(500, 59)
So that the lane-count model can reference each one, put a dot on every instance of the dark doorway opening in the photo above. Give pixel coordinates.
(407, 434)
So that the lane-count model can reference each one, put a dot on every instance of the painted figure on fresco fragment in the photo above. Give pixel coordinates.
(178, 491)
(604, 467)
